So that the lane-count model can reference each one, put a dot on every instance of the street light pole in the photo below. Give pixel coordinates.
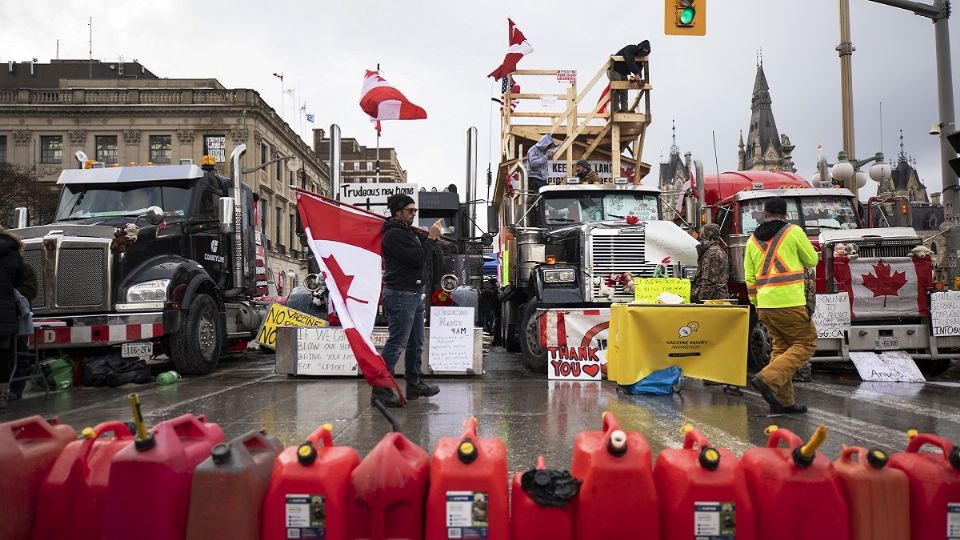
(845, 50)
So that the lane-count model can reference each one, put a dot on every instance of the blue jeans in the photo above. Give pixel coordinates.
(404, 311)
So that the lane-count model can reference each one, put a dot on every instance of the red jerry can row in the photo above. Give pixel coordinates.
(878, 496)
(226, 497)
(73, 496)
(28, 449)
(309, 489)
(702, 491)
(150, 480)
(468, 488)
(529, 519)
(795, 490)
(389, 490)
(934, 483)
(617, 497)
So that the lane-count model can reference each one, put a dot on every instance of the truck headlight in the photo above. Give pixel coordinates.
(559, 276)
(148, 291)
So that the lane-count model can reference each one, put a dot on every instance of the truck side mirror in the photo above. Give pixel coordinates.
(225, 214)
(154, 215)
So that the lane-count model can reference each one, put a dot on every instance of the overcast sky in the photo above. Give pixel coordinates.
(438, 53)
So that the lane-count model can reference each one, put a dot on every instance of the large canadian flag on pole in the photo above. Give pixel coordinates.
(381, 101)
(346, 242)
(518, 48)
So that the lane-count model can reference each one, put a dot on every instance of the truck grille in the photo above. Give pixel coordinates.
(80, 281)
(887, 248)
(36, 259)
(616, 254)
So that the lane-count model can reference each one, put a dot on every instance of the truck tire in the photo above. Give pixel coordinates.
(511, 341)
(195, 347)
(759, 347)
(932, 368)
(533, 353)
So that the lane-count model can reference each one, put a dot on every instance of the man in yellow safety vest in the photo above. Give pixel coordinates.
(773, 266)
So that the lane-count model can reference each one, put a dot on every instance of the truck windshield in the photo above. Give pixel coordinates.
(827, 212)
(447, 224)
(751, 214)
(91, 201)
(600, 207)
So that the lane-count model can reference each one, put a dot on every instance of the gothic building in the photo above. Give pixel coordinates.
(674, 174)
(904, 180)
(765, 148)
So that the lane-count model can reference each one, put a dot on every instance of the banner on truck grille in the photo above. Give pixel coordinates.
(576, 342)
(884, 287)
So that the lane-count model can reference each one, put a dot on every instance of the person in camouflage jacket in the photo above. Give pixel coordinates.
(710, 281)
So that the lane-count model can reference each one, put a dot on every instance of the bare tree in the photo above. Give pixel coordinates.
(20, 187)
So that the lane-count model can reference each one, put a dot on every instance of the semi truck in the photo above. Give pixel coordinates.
(149, 260)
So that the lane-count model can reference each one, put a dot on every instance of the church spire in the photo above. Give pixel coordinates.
(763, 136)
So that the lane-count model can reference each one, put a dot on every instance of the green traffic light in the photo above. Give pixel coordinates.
(687, 15)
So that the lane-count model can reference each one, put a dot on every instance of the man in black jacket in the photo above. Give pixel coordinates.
(622, 70)
(405, 255)
(11, 277)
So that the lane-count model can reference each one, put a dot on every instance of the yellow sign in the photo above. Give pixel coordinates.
(646, 290)
(280, 315)
(706, 342)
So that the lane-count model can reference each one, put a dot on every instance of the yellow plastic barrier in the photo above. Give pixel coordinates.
(706, 342)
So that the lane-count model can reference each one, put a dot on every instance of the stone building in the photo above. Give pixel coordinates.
(765, 148)
(904, 180)
(121, 113)
(675, 173)
(358, 163)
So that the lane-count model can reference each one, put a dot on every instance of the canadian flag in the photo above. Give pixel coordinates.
(519, 47)
(346, 243)
(381, 101)
(884, 288)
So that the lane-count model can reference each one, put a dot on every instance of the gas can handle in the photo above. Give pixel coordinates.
(469, 428)
(693, 438)
(189, 425)
(609, 422)
(33, 427)
(255, 440)
(926, 438)
(119, 429)
(784, 435)
(847, 452)
(324, 433)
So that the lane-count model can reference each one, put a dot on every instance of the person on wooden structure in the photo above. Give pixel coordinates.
(625, 69)
(585, 173)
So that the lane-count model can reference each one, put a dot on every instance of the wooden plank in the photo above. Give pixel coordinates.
(596, 141)
(539, 71)
(582, 127)
(571, 120)
(635, 118)
(524, 95)
(615, 147)
(583, 93)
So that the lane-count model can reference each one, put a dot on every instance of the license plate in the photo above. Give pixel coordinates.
(136, 350)
(888, 343)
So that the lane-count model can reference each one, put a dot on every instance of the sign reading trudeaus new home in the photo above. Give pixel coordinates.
(373, 197)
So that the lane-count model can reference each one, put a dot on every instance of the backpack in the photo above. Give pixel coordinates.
(662, 382)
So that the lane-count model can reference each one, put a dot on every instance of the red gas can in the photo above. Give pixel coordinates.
(28, 449)
(934, 481)
(149, 489)
(309, 489)
(878, 496)
(73, 495)
(226, 498)
(795, 491)
(531, 521)
(389, 489)
(468, 488)
(702, 492)
(617, 498)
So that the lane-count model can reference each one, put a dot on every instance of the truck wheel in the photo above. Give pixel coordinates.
(195, 347)
(533, 353)
(932, 368)
(759, 347)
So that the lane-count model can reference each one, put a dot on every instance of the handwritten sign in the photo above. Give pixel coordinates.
(832, 315)
(280, 315)
(451, 338)
(567, 75)
(646, 290)
(945, 313)
(373, 197)
(891, 366)
(576, 343)
(324, 351)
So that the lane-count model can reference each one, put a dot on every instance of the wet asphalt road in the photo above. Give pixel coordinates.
(532, 415)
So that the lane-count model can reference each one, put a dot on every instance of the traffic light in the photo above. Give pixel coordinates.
(685, 17)
(954, 140)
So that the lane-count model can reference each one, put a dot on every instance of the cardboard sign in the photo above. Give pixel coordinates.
(280, 315)
(646, 290)
(451, 338)
(945, 313)
(832, 315)
(576, 343)
(373, 197)
(324, 351)
(567, 75)
(891, 366)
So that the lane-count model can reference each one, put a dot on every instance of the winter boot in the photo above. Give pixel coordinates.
(386, 396)
(417, 388)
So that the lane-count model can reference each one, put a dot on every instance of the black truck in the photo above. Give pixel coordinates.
(151, 259)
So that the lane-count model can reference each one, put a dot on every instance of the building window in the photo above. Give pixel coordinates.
(356, 165)
(51, 149)
(3, 147)
(216, 146)
(369, 165)
(279, 170)
(264, 153)
(263, 216)
(106, 148)
(279, 225)
(161, 148)
(293, 231)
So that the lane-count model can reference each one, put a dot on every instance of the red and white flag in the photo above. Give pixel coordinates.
(346, 242)
(519, 47)
(885, 287)
(381, 101)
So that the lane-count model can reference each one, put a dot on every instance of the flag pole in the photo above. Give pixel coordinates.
(378, 139)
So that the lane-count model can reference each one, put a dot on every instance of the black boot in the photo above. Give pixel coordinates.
(385, 396)
(417, 388)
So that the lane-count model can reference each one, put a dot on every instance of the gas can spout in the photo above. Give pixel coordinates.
(803, 456)
(144, 440)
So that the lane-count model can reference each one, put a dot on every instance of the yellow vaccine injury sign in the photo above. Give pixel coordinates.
(280, 315)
